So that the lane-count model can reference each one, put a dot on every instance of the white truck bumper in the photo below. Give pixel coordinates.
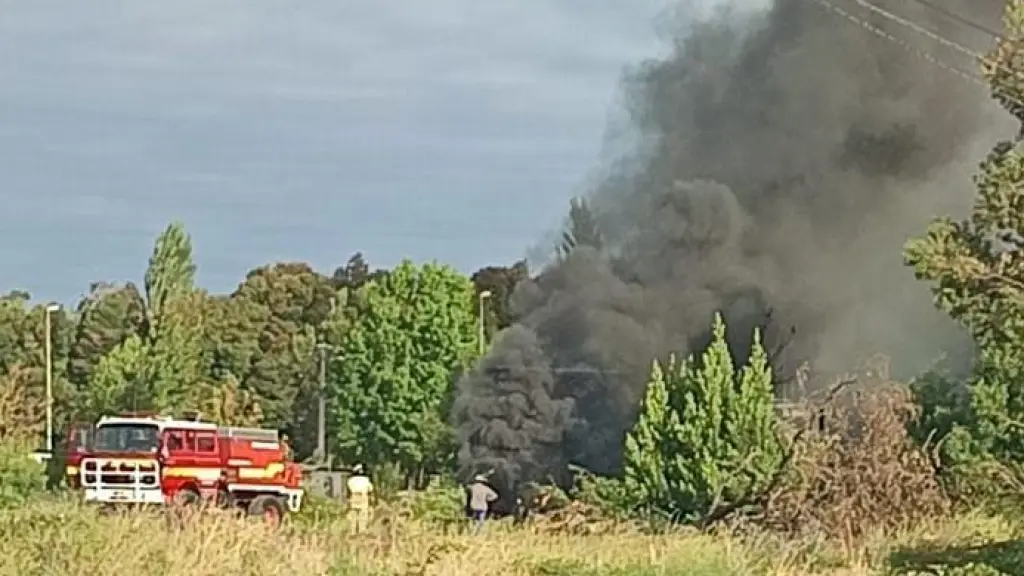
(124, 496)
(115, 481)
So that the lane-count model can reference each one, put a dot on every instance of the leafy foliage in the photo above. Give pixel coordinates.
(707, 435)
(501, 282)
(173, 369)
(976, 269)
(22, 408)
(278, 310)
(390, 383)
(107, 316)
(118, 381)
(21, 477)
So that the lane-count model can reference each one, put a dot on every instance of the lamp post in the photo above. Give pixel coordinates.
(480, 299)
(321, 413)
(49, 376)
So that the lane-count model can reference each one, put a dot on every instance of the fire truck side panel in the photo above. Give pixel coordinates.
(256, 464)
(191, 462)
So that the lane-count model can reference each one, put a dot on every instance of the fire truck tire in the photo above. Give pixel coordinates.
(268, 507)
(187, 497)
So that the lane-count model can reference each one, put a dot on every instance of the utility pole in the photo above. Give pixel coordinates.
(483, 335)
(321, 417)
(49, 376)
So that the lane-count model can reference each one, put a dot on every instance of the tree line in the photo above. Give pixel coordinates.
(391, 341)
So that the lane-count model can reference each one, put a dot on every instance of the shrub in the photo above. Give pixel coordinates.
(862, 473)
(21, 477)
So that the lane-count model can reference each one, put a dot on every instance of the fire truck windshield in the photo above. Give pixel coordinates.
(126, 438)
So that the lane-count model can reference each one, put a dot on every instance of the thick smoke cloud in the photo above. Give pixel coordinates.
(508, 421)
(777, 163)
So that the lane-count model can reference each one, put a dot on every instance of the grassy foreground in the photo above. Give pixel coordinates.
(62, 538)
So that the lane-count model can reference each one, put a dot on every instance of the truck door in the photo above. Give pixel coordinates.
(190, 460)
(77, 446)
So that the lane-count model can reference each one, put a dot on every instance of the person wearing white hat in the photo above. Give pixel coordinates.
(360, 489)
(481, 495)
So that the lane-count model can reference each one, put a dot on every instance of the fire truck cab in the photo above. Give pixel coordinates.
(150, 459)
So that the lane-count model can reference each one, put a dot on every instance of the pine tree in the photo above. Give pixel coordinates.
(707, 435)
(754, 425)
(644, 467)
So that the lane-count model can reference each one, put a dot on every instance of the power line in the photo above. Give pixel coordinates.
(899, 42)
(958, 18)
(923, 31)
(1017, 103)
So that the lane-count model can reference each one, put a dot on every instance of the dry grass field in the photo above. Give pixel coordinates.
(56, 538)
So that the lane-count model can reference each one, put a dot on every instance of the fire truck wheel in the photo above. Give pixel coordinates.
(187, 498)
(270, 508)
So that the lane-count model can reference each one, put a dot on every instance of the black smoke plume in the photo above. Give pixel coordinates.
(776, 163)
(509, 423)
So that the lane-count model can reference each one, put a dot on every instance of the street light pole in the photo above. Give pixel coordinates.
(49, 376)
(321, 416)
(480, 299)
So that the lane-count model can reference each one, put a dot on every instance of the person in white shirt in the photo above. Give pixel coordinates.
(360, 492)
(481, 496)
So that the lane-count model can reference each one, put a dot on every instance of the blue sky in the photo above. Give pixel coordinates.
(298, 130)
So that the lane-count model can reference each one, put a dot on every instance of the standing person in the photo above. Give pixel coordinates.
(360, 490)
(287, 447)
(480, 497)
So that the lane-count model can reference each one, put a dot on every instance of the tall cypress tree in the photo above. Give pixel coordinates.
(707, 435)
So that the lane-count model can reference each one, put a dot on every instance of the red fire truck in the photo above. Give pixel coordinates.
(152, 459)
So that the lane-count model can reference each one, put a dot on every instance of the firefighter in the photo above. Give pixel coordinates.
(360, 490)
(480, 495)
(286, 444)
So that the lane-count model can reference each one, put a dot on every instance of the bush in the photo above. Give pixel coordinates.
(441, 505)
(21, 477)
(863, 473)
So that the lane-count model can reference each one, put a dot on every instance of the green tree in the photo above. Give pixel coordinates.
(118, 382)
(171, 274)
(107, 316)
(231, 336)
(354, 274)
(976, 265)
(707, 435)
(331, 336)
(23, 350)
(416, 328)
(277, 312)
(13, 326)
(174, 365)
(501, 282)
(643, 465)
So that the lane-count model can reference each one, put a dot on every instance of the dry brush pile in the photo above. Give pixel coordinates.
(854, 469)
